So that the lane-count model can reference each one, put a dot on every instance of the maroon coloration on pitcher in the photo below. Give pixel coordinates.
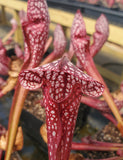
(35, 29)
(63, 85)
(59, 44)
(78, 27)
(100, 36)
(59, 41)
(70, 52)
(78, 64)
(81, 42)
(82, 50)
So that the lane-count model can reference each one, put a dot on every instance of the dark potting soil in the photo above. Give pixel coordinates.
(108, 134)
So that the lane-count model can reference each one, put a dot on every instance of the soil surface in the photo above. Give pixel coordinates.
(108, 134)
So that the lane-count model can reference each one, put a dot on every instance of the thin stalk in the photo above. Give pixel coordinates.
(96, 104)
(93, 147)
(112, 158)
(8, 35)
(48, 43)
(15, 113)
(100, 106)
(48, 59)
(105, 143)
(92, 70)
(110, 117)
